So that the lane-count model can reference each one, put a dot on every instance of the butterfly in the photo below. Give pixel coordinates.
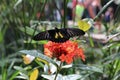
(58, 35)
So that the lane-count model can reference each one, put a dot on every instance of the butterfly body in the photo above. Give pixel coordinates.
(58, 35)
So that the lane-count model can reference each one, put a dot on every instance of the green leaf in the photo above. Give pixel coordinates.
(39, 42)
(4, 74)
(89, 68)
(91, 41)
(116, 18)
(23, 73)
(14, 75)
(8, 60)
(2, 33)
(39, 55)
(110, 58)
(60, 77)
(72, 77)
(21, 69)
(117, 77)
(17, 3)
(28, 30)
(1, 37)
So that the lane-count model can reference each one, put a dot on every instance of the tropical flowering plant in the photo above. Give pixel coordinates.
(55, 54)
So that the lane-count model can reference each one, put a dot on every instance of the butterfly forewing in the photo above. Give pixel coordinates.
(74, 32)
(42, 36)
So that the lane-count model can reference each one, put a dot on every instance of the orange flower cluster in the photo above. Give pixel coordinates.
(64, 52)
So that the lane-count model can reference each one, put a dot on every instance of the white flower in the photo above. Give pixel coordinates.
(28, 59)
(50, 69)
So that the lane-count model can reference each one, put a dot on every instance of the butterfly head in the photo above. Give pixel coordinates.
(56, 29)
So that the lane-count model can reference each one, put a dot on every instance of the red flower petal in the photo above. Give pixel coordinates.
(62, 57)
(64, 52)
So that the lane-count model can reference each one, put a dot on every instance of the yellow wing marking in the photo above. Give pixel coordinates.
(56, 35)
(60, 35)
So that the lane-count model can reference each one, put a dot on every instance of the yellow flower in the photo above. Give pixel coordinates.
(34, 74)
(83, 25)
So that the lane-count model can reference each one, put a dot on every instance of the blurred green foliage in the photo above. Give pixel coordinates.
(21, 19)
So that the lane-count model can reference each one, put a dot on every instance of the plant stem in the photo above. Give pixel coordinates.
(65, 9)
(104, 7)
(110, 38)
(58, 70)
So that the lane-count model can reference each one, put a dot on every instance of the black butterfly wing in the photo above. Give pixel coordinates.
(71, 32)
(61, 35)
(48, 35)
(67, 33)
(42, 36)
